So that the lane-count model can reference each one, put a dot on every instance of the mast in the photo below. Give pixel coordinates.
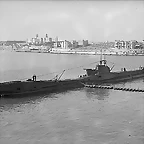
(101, 55)
(104, 56)
(101, 58)
(61, 75)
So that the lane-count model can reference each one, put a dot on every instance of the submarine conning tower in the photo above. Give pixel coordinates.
(100, 68)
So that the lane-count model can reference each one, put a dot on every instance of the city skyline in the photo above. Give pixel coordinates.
(72, 20)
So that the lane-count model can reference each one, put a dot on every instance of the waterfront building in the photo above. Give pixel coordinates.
(68, 44)
(142, 42)
(56, 39)
(50, 44)
(2, 43)
(121, 44)
(42, 41)
(134, 44)
(33, 41)
(50, 39)
(85, 43)
(62, 44)
(38, 41)
(28, 41)
(36, 35)
(80, 43)
(58, 44)
(55, 45)
(127, 45)
(46, 38)
(118, 44)
(74, 44)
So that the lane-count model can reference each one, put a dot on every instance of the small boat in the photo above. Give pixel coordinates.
(99, 75)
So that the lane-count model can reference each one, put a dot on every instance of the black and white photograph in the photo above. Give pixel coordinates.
(71, 72)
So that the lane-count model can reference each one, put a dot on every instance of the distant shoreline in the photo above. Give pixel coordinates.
(75, 52)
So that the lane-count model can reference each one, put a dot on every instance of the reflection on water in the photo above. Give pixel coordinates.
(96, 93)
(10, 103)
(102, 94)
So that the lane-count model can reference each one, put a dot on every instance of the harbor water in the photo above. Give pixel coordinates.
(80, 116)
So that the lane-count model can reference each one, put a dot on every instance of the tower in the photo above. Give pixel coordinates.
(46, 38)
(50, 39)
(41, 41)
(56, 39)
(36, 35)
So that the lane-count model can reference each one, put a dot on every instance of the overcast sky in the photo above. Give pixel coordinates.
(92, 20)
